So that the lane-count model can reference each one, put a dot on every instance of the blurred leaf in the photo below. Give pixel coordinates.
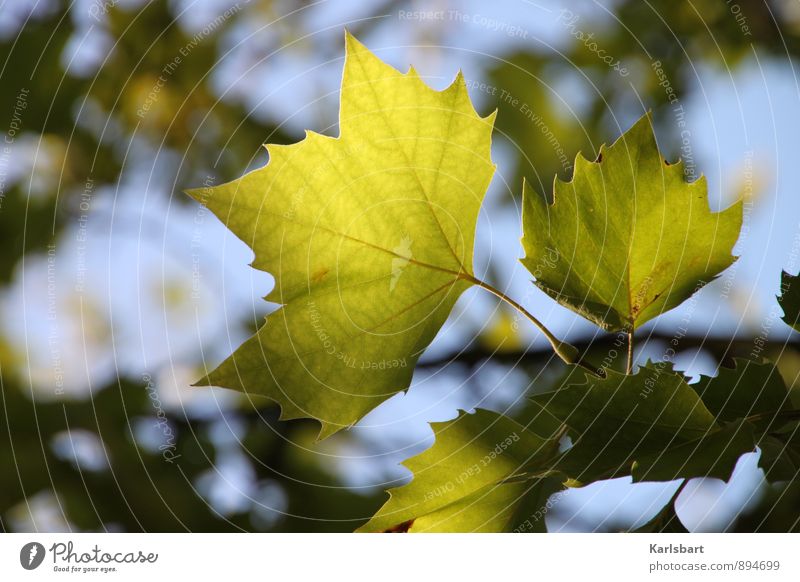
(142, 490)
(778, 511)
(501, 334)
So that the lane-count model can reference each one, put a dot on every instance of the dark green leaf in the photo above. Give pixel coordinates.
(748, 389)
(780, 455)
(713, 455)
(651, 425)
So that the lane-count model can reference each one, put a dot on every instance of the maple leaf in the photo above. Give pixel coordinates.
(334, 220)
(475, 478)
(627, 238)
(651, 425)
(748, 389)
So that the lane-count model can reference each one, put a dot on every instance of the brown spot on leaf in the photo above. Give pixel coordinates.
(320, 274)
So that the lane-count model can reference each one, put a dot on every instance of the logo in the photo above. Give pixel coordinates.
(31, 555)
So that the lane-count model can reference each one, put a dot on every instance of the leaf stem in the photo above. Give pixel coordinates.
(563, 350)
(629, 365)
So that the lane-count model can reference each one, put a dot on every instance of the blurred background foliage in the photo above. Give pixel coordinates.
(117, 290)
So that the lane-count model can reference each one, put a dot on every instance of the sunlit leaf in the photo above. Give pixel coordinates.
(369, 237)
(627, 238)
(485, 472)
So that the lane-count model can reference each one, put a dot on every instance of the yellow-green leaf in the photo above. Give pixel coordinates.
(369, 237)
(627, 238)
(473, 479)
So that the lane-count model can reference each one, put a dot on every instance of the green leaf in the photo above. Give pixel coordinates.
(485, 472)
(369, 237)
(627, 238)
(651, 425)
(789, 299)
(780, 454)
(748, 389)
(712, 455)
(757, 391)
(512, 507)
